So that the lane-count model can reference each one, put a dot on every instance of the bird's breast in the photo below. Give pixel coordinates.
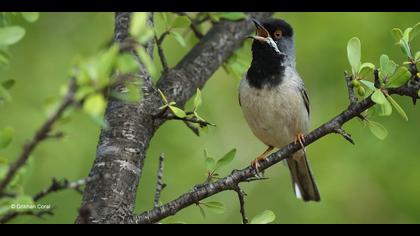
(274, 114)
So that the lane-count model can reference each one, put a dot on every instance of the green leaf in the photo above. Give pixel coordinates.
(378, 97)
(181, 22)
(147, 62)
(164, 17)
(400, 77)
(377, 129)
(8, 84)
(226, 159)
(397, 107)
(11, 34)
(138, 23)
(387, 66)
(405, 47)
(366, 69)
(179, 38)
(100, 121)
(165, 100)
(406, 34)
(106, 64)
(146, 35)
(354, 54)
(133, 93)
(385, 109)
(397, 34)
(178, 112)
(209, 161)
(417, 56)
(383, 62)
(203, 213)
(265, 217)
(216, 207)
(232, 16)
(210, 164)
(6, 136)
(130, 94)
(368, 84)
(414, 32)
(197, 99)
(95, 105)
(30, 16)
(126, 64)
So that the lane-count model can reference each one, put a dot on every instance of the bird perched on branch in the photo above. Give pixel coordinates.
(274, 101)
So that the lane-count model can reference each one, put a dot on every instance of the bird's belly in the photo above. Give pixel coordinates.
(275, 116)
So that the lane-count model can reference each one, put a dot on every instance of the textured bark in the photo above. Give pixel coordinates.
(122, 147)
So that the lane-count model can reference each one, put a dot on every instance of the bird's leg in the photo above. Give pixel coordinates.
(255, 163)
(300, 138)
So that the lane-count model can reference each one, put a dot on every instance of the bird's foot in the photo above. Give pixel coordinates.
(256, 162)
(256, 165)
(300, 138)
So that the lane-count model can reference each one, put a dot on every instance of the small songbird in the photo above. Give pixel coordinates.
(274, 101)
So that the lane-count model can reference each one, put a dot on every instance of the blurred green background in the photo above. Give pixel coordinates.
(372, 182)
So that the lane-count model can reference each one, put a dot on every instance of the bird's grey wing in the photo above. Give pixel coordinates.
(305, 98)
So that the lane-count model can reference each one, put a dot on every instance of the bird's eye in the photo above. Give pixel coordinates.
(278, 34)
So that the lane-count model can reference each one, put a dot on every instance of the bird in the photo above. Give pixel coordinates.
(274, 101)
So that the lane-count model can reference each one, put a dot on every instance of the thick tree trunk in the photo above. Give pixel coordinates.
(122, 147)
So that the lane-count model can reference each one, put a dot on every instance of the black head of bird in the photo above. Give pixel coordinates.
(274, 41)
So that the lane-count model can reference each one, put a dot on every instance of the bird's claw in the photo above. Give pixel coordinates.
(300, 138)
(256, 165)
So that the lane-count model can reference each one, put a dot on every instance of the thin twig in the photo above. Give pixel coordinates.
(350, 87)
(160, 51)
(194, 120)
(194, 24)
(39, 214)
(40, 135)
(346, 135)
(241, 197)
(160, 185)
(193, 128)
(62, 185)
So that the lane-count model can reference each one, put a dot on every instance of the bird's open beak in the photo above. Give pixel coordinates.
(262, 33)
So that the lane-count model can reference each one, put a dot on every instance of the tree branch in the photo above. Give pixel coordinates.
(160, 185)
(232, 181)
(241, 198)
(55, 186)
(39, 214)
(160, 51)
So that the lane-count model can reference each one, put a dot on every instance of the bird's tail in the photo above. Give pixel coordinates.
(303, 181)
